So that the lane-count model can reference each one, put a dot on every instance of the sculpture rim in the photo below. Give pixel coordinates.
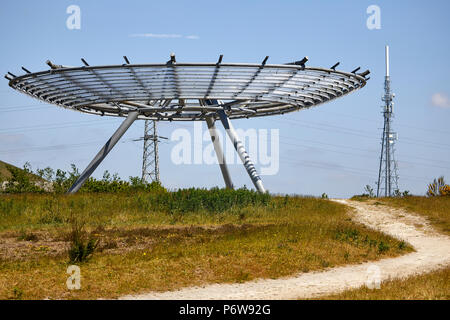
(188, 91)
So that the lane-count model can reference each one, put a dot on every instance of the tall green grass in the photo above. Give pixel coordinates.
(155, 206)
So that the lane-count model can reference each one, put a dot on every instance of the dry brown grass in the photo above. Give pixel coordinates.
(432, 286)
(435, 209)
(143, 251)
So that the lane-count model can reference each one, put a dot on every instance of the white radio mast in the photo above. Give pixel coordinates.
(387, 173)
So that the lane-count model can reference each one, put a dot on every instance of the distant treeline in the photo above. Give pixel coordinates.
(59, 181)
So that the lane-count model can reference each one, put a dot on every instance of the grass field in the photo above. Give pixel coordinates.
(435, 209)
(432, 286)
(144, 249)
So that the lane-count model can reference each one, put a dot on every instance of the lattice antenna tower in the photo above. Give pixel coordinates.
(387, 173)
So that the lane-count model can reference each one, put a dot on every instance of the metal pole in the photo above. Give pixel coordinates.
(381, 160)
(387, 60)
(388, 125)
(238, 145)
(104, 151)
(386, 182)
(388, 154)
(219, 152)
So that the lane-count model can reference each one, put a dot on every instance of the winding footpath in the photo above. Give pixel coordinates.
(432, 253)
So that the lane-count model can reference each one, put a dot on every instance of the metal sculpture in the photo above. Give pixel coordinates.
(175, 91)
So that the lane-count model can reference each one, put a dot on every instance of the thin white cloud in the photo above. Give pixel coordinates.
(440, 100)
(156, 35)
(164, 36)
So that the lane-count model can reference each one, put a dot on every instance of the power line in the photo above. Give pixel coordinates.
(23, 106)
(56, 147)
(398, 124)
(352, 170)
(6, 109)
(358, 155)
(57, 125)
(48, 148)
(360, 133)
(365, 150)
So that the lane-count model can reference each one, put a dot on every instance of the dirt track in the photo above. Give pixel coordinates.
(432, 252)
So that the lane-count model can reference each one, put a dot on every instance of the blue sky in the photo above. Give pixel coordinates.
(333, 148)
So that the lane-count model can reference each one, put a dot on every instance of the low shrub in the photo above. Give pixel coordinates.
(82, 245)
(59, 181)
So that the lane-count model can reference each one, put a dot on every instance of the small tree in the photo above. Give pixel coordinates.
(46, 173)
(21, 180)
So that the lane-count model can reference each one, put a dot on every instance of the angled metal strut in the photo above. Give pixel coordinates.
(239, 146)
(132, 116)
(219, 152)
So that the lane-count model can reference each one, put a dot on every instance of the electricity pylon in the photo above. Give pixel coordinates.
(150, 157)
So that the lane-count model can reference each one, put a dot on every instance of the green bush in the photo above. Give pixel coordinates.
(195, 200)
(22, 180)
(382, 246)
(59, 181)
(82, 246)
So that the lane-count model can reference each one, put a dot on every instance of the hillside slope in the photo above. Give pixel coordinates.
(5, 175)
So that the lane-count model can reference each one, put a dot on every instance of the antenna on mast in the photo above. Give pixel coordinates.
(387, 172)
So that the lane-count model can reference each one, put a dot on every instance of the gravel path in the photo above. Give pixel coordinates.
(432, 253)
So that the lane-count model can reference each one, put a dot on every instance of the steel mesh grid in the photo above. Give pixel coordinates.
(247, 90)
